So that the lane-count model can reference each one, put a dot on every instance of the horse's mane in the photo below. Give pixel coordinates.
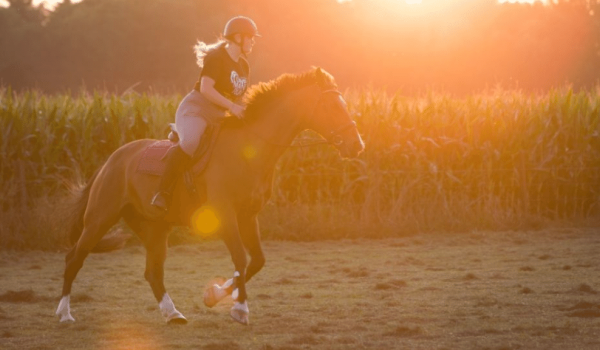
(261, 95)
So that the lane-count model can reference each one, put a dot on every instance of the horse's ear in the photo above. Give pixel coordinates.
(321, 77)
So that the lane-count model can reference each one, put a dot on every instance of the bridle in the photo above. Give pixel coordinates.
(334, 137)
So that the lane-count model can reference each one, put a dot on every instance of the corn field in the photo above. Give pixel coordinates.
(492, 161)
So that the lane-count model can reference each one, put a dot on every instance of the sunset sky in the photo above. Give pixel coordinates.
(51, 3)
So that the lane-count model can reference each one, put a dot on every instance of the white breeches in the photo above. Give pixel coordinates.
(192, 116)
(190, 128)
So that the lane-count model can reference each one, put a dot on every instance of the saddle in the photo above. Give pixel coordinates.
(153, 157)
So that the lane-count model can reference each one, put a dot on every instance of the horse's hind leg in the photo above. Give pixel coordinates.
(94, 229)
(154, 235)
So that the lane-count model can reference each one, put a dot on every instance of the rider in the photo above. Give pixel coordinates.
(222, 83)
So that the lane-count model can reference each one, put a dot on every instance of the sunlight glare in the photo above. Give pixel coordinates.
(125, 332)
(520, 1)
(205, 221)
(249, 152)
(417, 2)
(48, 4)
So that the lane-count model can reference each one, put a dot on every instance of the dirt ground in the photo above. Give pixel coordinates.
(500, 290)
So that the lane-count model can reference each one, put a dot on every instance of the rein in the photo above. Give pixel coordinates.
(334, 136)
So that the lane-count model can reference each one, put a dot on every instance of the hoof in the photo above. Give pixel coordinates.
(210, 299)
(240, 316)
(176, 318)
(179, 320)
(66, 318)
(214, 294)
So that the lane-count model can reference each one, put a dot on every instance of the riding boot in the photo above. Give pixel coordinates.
(177, 160)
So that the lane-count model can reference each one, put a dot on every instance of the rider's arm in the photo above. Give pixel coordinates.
(207, 88)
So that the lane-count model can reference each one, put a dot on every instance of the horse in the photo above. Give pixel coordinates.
(237, 185)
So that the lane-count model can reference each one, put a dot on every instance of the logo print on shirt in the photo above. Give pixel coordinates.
(239, 83)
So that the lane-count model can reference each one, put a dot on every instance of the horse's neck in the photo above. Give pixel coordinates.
(276, 127)
(280, 123)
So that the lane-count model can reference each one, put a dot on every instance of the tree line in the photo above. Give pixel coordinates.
(458, 47)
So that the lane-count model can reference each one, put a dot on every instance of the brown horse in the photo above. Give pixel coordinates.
(237, 182)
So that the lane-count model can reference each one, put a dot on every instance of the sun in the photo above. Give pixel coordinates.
(417, 2)
(409, 2)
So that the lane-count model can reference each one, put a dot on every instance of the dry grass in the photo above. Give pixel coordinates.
(465, 291)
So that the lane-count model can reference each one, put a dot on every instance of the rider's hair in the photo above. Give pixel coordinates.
(202, 49)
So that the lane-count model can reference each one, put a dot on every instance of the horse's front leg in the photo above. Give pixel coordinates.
(237, 285)
(250, 235)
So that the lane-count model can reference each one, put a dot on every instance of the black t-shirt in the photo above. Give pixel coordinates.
(231, 78)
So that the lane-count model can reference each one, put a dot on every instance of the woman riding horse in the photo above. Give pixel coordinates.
(222, 83)
(237, 185)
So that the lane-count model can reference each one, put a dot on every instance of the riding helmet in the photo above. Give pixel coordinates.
(240, 25)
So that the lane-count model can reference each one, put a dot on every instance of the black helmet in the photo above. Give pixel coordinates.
(240, 25)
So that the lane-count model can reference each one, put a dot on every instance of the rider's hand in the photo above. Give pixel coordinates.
(237, 110)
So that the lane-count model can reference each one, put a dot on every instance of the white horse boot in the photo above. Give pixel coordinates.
(168, 310)
(64, 309)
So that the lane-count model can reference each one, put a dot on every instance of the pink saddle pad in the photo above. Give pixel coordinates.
(152, 161)
(153, 158)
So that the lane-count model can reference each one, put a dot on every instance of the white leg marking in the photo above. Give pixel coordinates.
(240, 312)
(169, 312)
(227, 283)
(243, 307)
(166, 305)
(64, 309)
(236, 292)
(220, 292)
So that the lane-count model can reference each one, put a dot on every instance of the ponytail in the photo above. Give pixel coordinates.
(201, 49)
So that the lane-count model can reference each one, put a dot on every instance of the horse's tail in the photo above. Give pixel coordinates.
(79, 205)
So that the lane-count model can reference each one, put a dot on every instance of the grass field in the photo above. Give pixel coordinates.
(501, 290)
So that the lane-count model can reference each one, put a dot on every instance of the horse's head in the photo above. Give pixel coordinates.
(310, 100)
(331, 119)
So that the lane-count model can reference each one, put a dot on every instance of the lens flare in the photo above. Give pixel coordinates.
(249, 152)
(205, 221)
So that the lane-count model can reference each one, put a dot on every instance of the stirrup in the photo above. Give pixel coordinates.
(160, 200)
